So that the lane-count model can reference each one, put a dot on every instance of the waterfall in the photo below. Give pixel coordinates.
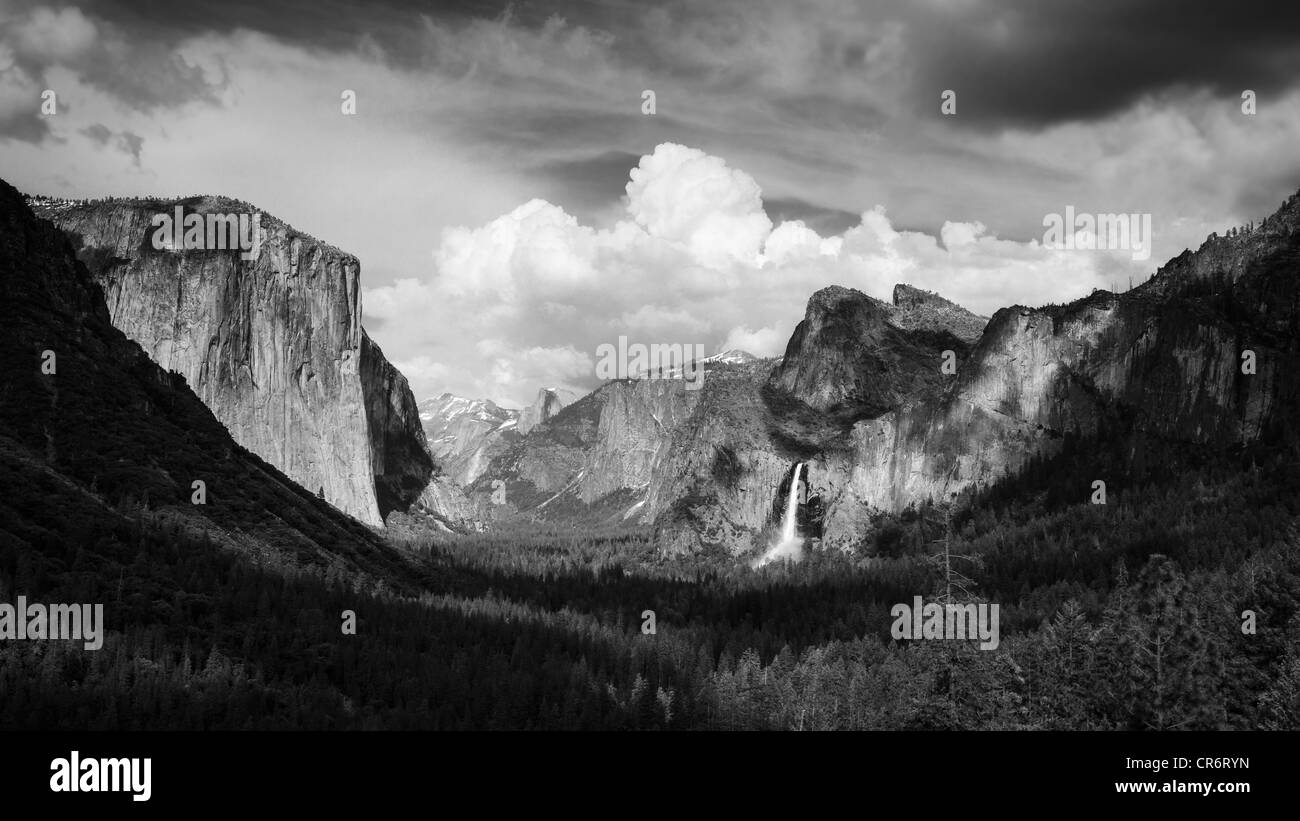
(792, 507)
(789, 545)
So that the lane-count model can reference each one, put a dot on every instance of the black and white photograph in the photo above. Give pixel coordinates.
(877, 370)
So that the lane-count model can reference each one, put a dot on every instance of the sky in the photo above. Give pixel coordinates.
(514, 206)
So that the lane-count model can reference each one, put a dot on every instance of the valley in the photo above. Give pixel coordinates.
(575, 516)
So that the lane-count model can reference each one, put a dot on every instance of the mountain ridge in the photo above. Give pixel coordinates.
(863, 398)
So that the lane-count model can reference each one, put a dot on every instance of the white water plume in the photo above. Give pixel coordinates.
(788, 545)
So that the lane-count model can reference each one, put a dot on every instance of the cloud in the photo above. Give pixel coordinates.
(822, 219)
(20, 102)
(524, 300)
(763, 342)
(588, 182)
(510, 367)
(484, 183)
(685, 196)
(830, 105)
(1034, 63)
(126, 142)
(42, 47)
(1027, 63)
(55, 36)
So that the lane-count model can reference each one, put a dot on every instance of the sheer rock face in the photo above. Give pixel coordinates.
(636, 428)
(400, 458)
(272, 344)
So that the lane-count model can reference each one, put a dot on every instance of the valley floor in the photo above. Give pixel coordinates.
(1123, 616)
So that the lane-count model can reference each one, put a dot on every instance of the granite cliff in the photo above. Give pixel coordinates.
(272, 343)
(98, 440)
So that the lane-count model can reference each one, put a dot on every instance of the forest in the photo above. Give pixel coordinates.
(1128, 615)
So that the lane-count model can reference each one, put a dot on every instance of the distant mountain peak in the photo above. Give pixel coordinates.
(549, 402)
(462, 431)
(732, 356)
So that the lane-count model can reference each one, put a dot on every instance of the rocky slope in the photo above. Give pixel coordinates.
(272, 344)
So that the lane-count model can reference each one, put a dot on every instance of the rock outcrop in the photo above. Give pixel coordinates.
(272, 343)
(855, 356)
(549, 402)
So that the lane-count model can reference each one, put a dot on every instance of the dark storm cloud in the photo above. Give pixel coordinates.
(140, 71)
(1028, 63)
(339, 25)
(1037, 62)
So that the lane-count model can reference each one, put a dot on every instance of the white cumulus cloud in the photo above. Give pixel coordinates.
(525, 300)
